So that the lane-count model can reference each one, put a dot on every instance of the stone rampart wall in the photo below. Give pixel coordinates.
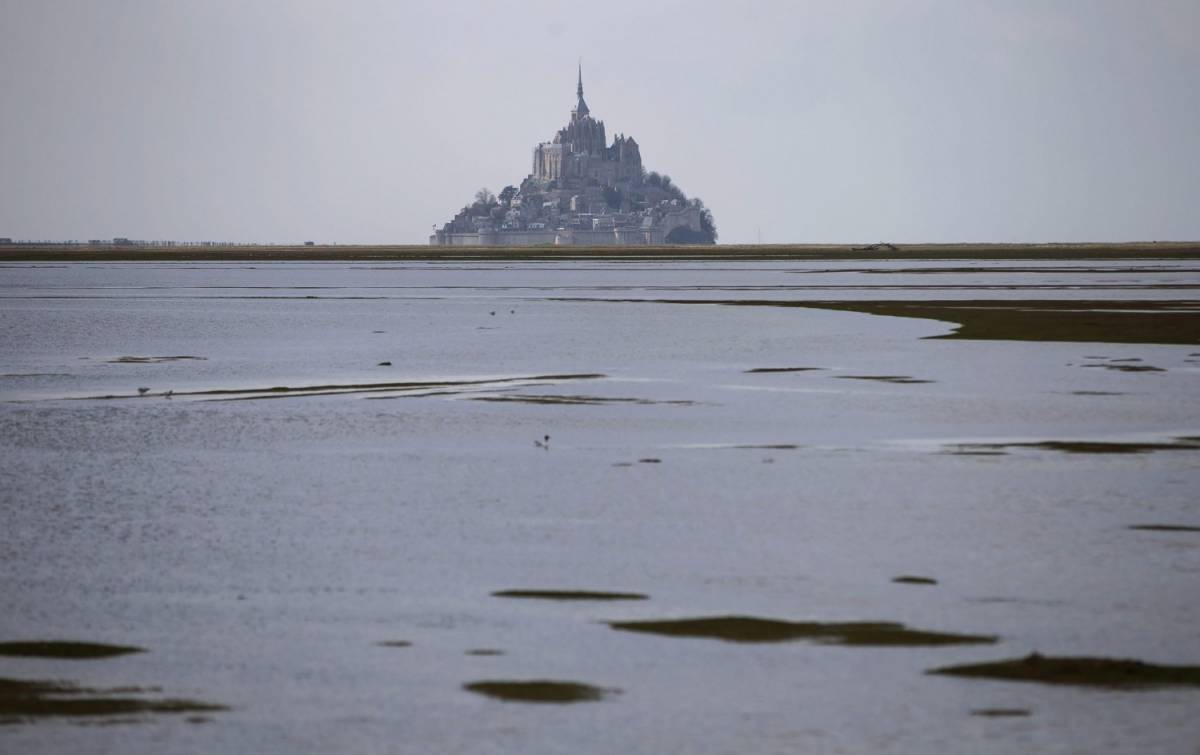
(495, 238)
(684, 216)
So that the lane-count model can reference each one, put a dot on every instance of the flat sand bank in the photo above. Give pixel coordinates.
(94, 253)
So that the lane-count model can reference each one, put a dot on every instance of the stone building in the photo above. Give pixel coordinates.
(580, 150)
(582, 190)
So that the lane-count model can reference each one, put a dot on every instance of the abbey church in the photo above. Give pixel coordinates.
(580, 151)
(582, 191)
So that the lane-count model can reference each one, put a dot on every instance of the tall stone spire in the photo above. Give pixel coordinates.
(581, 107)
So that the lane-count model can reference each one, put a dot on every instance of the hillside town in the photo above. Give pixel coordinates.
(582, 191)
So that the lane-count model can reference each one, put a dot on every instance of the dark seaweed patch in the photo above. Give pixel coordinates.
(1080, 320)
(24, 699)
(1096, 393)
(767, 447)
(1051, 320)
(394, 644)
(65, 649)
(784, 369)
(1128, 367)
(649, 460)
(899, 379)
(907, 579)
(751, 629)
(1001, 712)
(569, 595)
(485, 651)
(1085, 446)
(1099, 672)
(1164, 528)
(538, 691)
(154, 360)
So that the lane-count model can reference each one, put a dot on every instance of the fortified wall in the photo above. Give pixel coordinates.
(688, 217)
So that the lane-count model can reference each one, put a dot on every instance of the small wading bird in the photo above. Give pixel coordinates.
(143, 391)
(543, 443)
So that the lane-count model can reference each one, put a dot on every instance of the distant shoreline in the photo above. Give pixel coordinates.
(749, 252)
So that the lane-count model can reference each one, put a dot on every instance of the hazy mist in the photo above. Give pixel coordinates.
(369, 122)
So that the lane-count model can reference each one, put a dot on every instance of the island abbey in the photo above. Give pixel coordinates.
(582, 191)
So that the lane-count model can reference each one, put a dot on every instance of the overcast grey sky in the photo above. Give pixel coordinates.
(363, 121)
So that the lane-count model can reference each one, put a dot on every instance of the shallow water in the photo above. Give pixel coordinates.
(333, 556)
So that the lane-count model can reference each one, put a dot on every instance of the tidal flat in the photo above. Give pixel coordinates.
(417, 503)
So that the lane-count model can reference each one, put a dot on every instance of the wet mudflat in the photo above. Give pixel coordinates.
(748, 528)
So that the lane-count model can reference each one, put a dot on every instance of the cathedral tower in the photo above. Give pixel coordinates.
(581, 108)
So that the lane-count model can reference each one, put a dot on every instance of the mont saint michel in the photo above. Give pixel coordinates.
(906, 462)
(584, 191)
